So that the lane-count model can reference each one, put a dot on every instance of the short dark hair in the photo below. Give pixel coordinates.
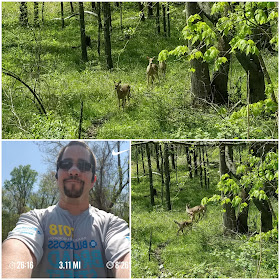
(84, 145)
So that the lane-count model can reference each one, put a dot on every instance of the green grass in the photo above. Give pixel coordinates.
(201, 252)
(45, 59)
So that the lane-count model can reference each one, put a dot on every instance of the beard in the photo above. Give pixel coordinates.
(71, 190)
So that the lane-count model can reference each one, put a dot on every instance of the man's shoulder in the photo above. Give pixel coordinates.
(42, 212)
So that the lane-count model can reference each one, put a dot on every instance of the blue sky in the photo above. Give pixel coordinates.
(15, 153)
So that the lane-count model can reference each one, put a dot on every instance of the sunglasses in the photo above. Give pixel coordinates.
(82, 165)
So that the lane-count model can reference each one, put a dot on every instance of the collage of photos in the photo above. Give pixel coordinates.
(139, 139)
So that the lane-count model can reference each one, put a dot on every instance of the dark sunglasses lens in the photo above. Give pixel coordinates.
(84, 166)
(65, 164)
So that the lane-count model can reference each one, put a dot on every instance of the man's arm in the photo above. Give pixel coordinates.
(15, 251)
(122, 267)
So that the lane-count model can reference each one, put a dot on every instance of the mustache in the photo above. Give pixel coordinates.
(76, 178)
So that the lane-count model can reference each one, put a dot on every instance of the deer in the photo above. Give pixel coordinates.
(123, 92)
(195, 210)
(184, 224)
(152, 70)
(162, 67)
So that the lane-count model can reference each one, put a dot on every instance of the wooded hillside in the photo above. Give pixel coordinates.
(232, 231)
(60, 62)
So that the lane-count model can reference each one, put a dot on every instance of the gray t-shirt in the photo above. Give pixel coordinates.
(68, 246)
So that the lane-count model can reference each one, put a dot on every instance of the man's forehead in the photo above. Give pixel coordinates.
(77, 152)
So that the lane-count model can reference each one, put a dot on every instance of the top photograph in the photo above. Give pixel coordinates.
(139, 70)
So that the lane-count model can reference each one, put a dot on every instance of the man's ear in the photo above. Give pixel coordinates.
(93, 180)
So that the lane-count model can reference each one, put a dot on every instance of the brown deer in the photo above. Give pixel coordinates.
(195, 210)
(123, 92)
(183, 225)
(152, 70)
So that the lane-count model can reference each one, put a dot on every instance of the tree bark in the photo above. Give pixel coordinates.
(167, 176)
(83, 32)
(150, 174)
(229, 218)
(107, 36)
(23, 18)
(219, 82)
(200, 78)
(157, 18)
(62, 15)
(252, 64)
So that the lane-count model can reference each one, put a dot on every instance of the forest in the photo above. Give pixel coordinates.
(110, 192)
(204, 209)
(61, 60)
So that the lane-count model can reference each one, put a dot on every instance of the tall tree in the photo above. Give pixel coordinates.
(23, 15)
(83, 32)
(141, 11)
(62, 14)
(20, 186)
(200, 78)
(167, 176)
(150, 9)
(157, 17)
(107, 36)
(229, 214)
(150, 174)
(36, 14)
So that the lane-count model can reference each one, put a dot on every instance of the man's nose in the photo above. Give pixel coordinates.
(74, 170)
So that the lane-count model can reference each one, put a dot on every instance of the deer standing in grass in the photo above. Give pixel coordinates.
(195, 210)
(152, 70)
(123, 92)
(184, 224)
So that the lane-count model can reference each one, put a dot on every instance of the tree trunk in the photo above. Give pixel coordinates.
(164, 18)
(43, 6)
(62, 15)
(252, 64)
(156, 144)
(142, 155)
(266, 215)
(150, 174)
(141, 10)
(200, 78)
(219, 82)
(189, 161)
(157, 18)
(229, 218)
(83, 33)
(242, 219)
(167, 176)
(137, 165)
(172, 155)
(150, 9)
(36, 14)
(23, 18)
(107, 36)
(168, 20)
(72, 8)
(161, 172)
(99, 28)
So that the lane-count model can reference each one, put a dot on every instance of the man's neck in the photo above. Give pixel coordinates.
(74, 208)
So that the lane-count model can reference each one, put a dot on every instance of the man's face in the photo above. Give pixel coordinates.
(74, 179)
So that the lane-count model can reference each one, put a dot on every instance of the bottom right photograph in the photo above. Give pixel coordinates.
(204, 209)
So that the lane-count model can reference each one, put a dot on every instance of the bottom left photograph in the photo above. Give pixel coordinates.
(66, 209)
